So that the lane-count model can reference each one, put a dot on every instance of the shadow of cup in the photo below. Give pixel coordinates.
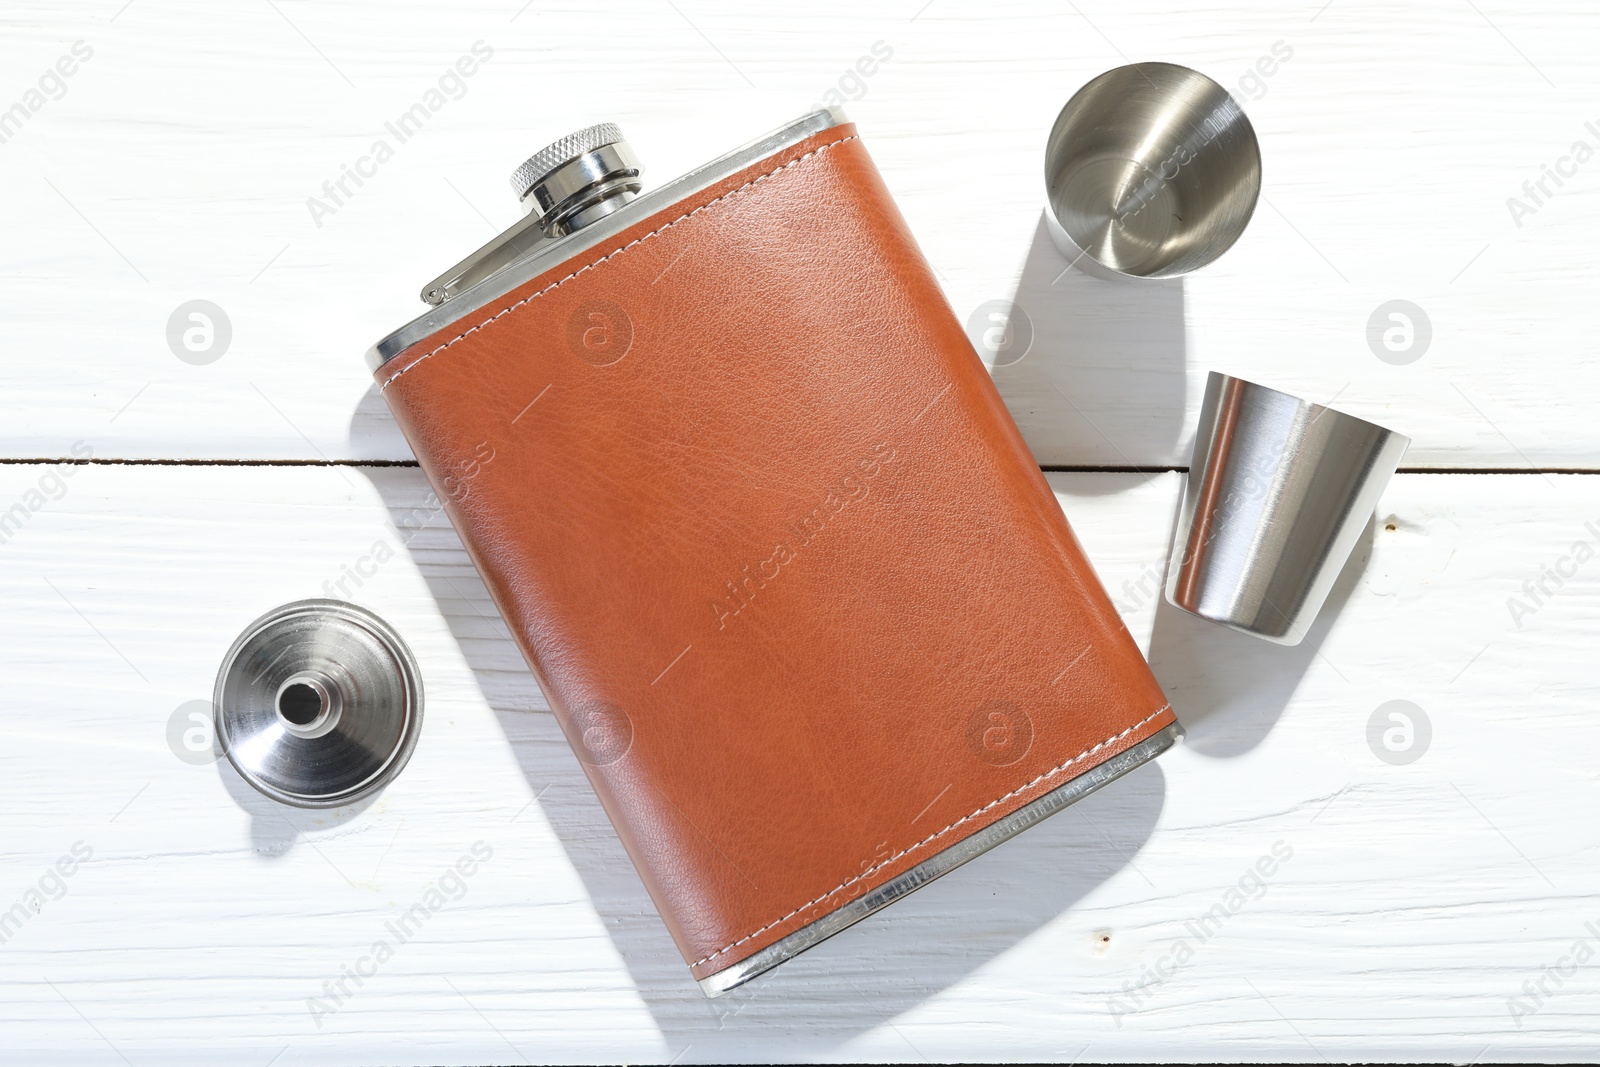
(1229, 689)
(1094, 372)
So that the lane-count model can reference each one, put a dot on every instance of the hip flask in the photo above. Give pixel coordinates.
(794, 586)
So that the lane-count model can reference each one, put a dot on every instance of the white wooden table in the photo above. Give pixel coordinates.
(1444, 907)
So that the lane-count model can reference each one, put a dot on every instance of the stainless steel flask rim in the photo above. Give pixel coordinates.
(558, 153)
(318, 703)
(579, 179)
(565, 186)
(525, 249)
(584, 189)
(940, 863)
(524, 252)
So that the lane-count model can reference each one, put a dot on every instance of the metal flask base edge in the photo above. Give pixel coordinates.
(943, 862)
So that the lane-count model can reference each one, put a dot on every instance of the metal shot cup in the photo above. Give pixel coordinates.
(1279, 491)
(1151, 171)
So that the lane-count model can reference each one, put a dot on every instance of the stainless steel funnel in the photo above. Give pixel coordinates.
(318, 703)
(1279, 490)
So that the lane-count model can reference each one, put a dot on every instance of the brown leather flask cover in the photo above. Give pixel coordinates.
(777, 554)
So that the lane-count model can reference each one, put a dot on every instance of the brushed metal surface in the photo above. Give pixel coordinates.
(318, 703)
(1151, 171)
(1279, 491)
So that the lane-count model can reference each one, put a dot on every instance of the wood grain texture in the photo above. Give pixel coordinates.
(1418, 899)
(180, 161)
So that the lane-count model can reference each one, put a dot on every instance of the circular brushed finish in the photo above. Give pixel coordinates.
(318, 703)
(1152, 170)
(552, 156)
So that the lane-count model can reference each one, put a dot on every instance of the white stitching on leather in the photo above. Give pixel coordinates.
(615, 252)
(1085, 754)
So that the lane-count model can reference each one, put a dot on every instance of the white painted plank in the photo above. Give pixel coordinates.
(1417, 900)
(179, 162)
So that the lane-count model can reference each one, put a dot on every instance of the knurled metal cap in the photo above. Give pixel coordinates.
(544, 162)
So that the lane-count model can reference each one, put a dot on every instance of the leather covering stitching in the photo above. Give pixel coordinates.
(842, 886)
(613, 254)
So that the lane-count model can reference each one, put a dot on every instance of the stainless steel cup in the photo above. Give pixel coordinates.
(1279, 491)
(1152, 170)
